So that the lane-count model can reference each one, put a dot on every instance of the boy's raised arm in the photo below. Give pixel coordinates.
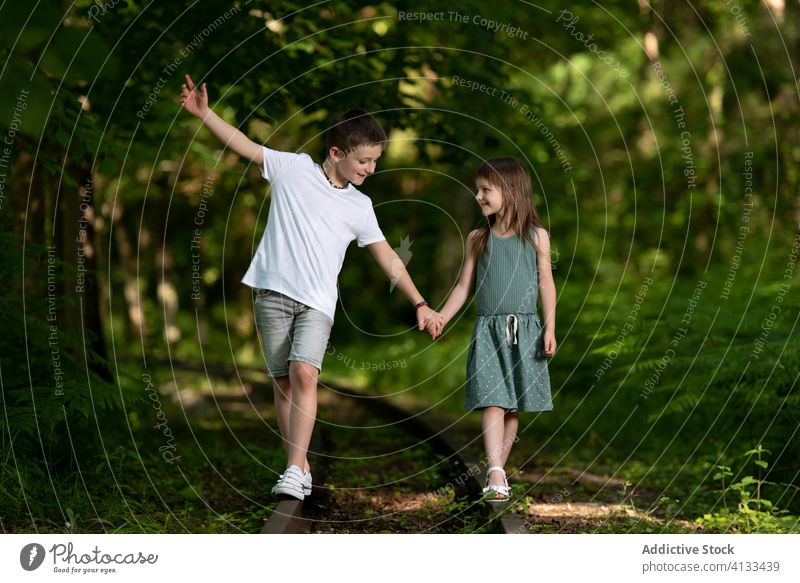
(195, 101)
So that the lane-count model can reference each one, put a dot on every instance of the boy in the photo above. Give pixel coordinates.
(316, 212)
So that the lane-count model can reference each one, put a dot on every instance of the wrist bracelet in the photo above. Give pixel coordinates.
(420, 304)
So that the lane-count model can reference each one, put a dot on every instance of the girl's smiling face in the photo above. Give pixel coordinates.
(489, 197)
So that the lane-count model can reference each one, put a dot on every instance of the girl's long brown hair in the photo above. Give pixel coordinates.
(512, 178)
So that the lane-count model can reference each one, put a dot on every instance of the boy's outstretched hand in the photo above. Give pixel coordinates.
(193, 99)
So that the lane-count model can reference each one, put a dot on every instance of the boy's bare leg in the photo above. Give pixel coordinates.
(303, 412)
(510, 424)
(282, 390)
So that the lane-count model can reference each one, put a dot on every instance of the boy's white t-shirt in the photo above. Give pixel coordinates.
(309, 227)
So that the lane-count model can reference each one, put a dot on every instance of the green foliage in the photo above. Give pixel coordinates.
(721, 368)
(81, 87)
(55, 408)
(753, 512)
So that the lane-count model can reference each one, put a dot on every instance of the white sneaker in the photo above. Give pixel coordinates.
(307, 484)
(291, 483)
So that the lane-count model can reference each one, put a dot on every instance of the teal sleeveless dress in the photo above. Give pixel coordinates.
(506, 366)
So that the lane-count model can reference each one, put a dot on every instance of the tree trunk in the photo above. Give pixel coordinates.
(74, 234)
(135, 322)
(166, 292)
(32, 196)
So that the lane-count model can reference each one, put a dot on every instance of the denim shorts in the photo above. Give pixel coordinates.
(289, 331)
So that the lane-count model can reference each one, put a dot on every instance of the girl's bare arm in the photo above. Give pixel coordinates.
(464, 286)
(547, 290)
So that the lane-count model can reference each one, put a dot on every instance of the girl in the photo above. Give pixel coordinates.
(507, 365)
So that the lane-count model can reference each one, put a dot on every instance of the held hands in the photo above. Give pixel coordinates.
(430, 321)
(549, 343)
(193, 99)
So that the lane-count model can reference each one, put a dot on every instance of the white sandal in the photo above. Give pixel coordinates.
(500, 493)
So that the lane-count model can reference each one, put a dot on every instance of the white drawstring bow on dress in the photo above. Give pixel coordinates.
(512, 327)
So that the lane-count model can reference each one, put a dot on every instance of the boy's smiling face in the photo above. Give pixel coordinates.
(359, 163)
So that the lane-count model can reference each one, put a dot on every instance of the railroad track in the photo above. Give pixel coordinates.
(444, 454)
(402, 431)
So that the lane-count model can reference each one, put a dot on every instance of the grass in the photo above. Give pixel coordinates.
(226, 461)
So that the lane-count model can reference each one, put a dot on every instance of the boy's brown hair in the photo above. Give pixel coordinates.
(355, 128)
